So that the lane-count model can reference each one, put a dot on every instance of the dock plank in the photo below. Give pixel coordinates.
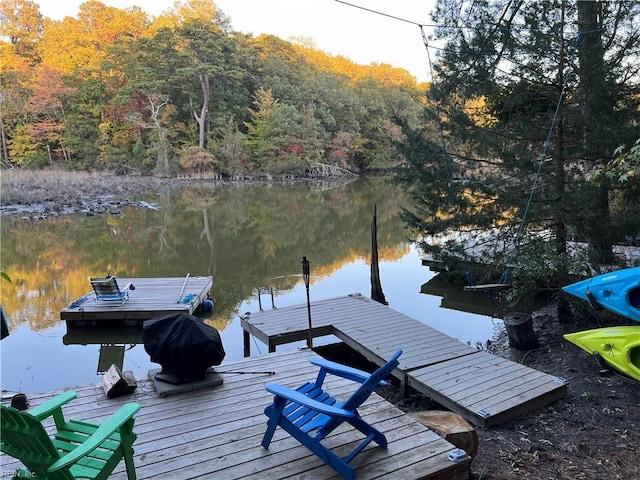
(456, 375)
(489, 393)
(216, 432)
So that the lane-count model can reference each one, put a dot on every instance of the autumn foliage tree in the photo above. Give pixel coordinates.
(117, 89)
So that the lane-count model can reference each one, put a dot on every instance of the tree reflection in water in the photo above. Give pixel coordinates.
(248, 237)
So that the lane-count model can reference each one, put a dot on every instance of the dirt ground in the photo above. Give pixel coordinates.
(594, 433)
(591, 434)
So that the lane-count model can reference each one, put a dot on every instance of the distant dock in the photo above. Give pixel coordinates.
(484, 388)
(152, 297)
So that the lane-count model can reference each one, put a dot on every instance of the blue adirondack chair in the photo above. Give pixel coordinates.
(309, 414)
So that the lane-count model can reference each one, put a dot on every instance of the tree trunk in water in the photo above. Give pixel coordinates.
(376, 287)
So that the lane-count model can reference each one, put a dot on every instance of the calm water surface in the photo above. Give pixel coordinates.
(249, 238)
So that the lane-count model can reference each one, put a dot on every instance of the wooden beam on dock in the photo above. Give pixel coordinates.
(487, 287)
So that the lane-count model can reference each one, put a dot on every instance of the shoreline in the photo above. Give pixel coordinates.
(49, 193)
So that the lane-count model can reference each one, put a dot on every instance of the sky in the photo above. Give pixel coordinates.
(334, 27)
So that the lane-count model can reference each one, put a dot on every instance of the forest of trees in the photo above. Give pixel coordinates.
(117, 89)
(529, 130)
(539, 102)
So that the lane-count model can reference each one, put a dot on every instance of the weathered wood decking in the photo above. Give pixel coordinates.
(484, 388)
(215, 433)
(152, 297)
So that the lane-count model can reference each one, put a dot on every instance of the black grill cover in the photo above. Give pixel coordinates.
(182, 344)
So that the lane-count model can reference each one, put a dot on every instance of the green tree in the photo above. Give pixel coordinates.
(23, 148)
(231, 148)
(274, 135)
(606, 39)
(84, 107)
(143, 102)
(509, 102)
(210, 74)
(621, 176)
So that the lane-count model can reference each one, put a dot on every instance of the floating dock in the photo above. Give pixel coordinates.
(484, 388)
(216, 432)
(455, 298)
(152, 297)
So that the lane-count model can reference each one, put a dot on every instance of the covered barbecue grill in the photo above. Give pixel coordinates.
(183, 345)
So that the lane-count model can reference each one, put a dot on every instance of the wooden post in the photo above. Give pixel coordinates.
(452, 427)
(564, 311)
(246, 342)
(376, 287)
(519, 328)
(116, 383)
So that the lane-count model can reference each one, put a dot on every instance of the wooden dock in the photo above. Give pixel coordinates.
(456, 298)
(152, 297)
(216, 432)
(484, 388)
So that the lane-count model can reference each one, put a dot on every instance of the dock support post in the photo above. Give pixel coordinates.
(520, 330)
(246, 343)
(404, 391)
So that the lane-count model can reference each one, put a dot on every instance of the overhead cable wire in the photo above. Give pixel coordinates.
(394, 17)
(496, 26)
(439, 117)
(543, 158)
(376, 12)
(543, 155)
(552, 127)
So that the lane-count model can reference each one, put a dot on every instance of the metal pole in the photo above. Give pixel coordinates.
(182, 290)
(306, 275)
(310, 339)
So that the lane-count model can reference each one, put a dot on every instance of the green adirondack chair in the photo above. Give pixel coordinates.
(77, 450)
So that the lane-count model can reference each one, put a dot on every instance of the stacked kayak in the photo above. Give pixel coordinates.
(618, 292)
(618, 347)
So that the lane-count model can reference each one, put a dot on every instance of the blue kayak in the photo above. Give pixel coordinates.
(618, 292)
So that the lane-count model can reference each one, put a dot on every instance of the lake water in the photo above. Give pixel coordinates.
(249, 238)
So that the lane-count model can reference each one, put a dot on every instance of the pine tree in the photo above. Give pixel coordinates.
(509, 97)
